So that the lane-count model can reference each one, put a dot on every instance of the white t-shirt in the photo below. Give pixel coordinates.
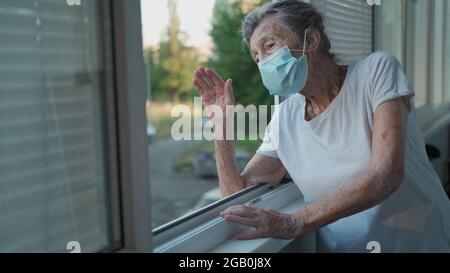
(334, 149)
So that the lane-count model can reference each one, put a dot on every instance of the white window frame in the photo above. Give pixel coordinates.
(133, 160)
(131, 96)
(183, 234)
(206, 231)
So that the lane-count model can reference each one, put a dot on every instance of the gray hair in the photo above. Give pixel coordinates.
(295, 15)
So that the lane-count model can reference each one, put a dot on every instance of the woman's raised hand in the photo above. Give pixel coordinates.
(213, 89)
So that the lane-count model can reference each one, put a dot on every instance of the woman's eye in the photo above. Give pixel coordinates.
(270, 45)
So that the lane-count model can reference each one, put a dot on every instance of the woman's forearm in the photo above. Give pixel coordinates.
(368, 191)
(230, 180)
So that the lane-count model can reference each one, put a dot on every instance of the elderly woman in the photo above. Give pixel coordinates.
(347, 135)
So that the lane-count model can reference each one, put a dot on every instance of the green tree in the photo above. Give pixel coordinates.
(172, 62)
(155, 73)
(231, 57)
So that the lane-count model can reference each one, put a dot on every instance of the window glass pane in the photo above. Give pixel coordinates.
(183, 173)
(418, 54)
(421, 44)
(390, 32)
(447, 52)
(57, 167)
(437, 52)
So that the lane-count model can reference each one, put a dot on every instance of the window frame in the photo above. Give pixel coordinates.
(437, 51)
(181, 225)
(446, 55)
(431, 118)
(161, 233)
(178, 226)
(131, 119)
(135, 192)
(109, 105)
(377, 18)
(206, 223)
(174, 235)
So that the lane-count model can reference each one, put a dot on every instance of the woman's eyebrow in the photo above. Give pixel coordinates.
(264, 38)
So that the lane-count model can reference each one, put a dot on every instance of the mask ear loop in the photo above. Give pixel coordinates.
(304, 41)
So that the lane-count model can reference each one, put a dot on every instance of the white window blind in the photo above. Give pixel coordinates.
(348, 24)
(54, 186)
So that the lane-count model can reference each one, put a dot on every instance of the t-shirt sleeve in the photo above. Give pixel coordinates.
(269, 145)
(389, 81)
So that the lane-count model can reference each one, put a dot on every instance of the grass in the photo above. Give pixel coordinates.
(163, 126)
(159, 115)
(183, 163)
(249, 146)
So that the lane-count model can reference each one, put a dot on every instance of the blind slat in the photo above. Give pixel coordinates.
(348, 24)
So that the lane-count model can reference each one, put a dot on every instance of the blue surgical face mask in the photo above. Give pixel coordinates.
(283, 74)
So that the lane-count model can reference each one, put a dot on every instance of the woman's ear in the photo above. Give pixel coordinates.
(313, 41)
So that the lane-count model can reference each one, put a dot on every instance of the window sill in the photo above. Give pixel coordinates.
(432, 119)
(264, 245)
(215, 234)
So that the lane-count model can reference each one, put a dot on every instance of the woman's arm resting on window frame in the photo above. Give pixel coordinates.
(385, 176)
(260, 169)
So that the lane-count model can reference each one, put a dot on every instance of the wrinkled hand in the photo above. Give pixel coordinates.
(267, 223)
(213, 89)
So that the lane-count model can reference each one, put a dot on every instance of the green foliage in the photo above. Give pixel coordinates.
(231, 57)
(172, 63)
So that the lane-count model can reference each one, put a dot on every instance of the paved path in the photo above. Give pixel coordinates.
(173, 194)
